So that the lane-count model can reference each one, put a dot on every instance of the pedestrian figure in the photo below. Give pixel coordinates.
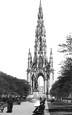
(40, 100)
(44, 101)
(9, 104)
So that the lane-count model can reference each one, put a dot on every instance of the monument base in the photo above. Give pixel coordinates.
(35, 93)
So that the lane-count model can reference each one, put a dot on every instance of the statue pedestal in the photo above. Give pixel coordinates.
(35, 93)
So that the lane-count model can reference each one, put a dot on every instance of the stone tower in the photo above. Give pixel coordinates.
(39, 65)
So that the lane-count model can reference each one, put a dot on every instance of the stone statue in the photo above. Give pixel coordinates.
(36, 84)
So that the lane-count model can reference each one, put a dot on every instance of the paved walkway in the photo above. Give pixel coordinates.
(46, 108)
(26, 108)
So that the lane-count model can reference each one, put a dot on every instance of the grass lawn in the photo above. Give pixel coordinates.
(60, 108)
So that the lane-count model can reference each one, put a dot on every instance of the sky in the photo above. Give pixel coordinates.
(18, 21)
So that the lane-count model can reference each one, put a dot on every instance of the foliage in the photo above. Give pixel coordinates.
(66, 47)
(63, 86)
(12, 85)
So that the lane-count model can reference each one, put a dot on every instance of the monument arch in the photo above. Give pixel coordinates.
(39, 64)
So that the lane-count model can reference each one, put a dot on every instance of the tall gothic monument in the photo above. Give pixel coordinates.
(39, 64)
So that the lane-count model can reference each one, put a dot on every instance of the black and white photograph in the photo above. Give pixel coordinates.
(36, 57)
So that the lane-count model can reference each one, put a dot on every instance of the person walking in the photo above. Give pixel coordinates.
(9, 104)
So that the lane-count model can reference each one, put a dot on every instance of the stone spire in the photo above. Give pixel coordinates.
(29, 59)
(40, 14)
(51, 59)
(40, 42)
(51, 70)
(29, 54)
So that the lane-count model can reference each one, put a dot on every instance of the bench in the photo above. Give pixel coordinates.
(39, 110)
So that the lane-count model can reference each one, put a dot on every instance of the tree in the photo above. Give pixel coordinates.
(12, 85)
(63, 86)
(66, 74)
(66, 47)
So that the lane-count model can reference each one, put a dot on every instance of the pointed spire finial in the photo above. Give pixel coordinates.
(29, 50)
(50, 51)
(40, 7)
(40, 3)
(40, 14)
(29, 54)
